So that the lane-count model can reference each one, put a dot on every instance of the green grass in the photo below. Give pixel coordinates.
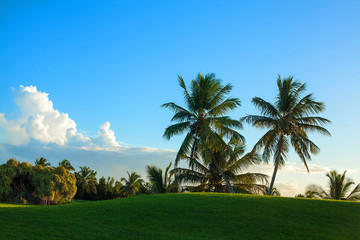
(185, 216)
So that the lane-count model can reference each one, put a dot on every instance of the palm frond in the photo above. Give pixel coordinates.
(176, 129)
(266, 108)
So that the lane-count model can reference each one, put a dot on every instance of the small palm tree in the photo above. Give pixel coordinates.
(274, 191)
(132, 185)
(204, 117)
(67, 165)
(42, 162)
(86, 180)
(339, 187)
(160, 183)
(202, 175)
(288, 122)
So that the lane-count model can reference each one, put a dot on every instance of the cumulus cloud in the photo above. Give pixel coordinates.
(40, 121)
(106, 136)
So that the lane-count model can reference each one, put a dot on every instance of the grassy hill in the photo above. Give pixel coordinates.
(185, 216)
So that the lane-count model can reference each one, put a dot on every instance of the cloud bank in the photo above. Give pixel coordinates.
(43, 131)
(39, 121)
(290, 167)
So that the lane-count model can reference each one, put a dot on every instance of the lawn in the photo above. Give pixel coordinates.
(185, 216)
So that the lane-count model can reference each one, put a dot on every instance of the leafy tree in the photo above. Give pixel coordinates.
(54, 185)
(202, 175)
(204, 117)
(42, 162)
(16, 181)
(67, 165)
(86, 180)
(22, 182)
(160, 183)
(132, 185)
(339, 187)
(288, 121)
(7, 174)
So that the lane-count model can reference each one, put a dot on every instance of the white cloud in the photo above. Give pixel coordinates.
(15, 134)
(106, 136)
(40, 121)
(287, 189)
(290, 167)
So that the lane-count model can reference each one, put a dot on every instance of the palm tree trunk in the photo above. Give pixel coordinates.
(277, 160)
(273, 177)
(222, 174)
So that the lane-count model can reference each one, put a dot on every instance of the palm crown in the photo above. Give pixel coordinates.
(288, 122)
(131, 185)
(232, 160)
(86, 180)
(67, 165)
(204, 118)
(339, 187)
(42, 162)
(160, 183)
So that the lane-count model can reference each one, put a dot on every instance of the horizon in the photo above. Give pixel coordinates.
(86, 83)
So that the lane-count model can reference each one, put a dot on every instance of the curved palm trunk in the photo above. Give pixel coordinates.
(277, 160)
(222, 174)
(273, 177)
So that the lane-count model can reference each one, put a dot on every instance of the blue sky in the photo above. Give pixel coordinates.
(118, 62)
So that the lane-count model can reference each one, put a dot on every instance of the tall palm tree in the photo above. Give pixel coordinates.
(339, 187)
(204, 117)
(86, 180)
(288, 121)
(202, 175)
(132, 185)
(42, 162)
(67, 165)
(160, 183)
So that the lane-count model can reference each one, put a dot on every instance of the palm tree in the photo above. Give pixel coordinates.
(204, 117)
(42, 162)
(339, 186)
(66, 164)
(202, 175)
(288, 122)
(160, 183)
(132, 185)
(274, 191)
(86, 180)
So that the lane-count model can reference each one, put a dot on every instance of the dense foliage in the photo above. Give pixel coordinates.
(40, 184)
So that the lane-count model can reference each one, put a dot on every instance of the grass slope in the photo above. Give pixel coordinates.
(185, 216)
